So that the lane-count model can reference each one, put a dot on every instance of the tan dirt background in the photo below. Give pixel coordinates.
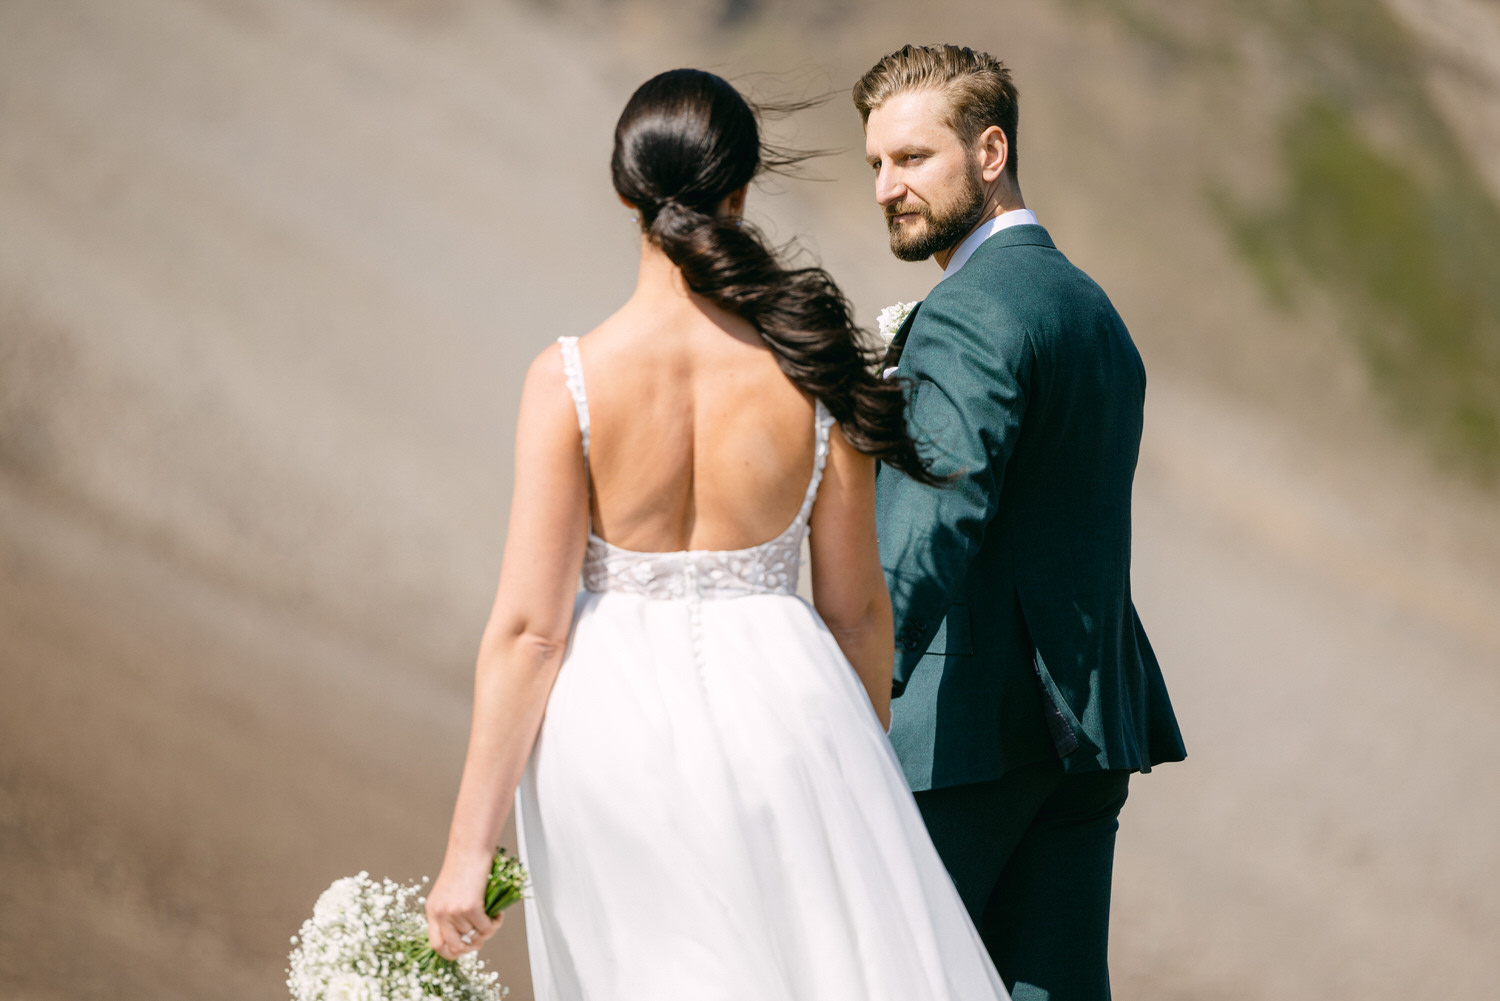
(270, 272)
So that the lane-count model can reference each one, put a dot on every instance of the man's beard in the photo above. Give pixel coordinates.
(939, 231)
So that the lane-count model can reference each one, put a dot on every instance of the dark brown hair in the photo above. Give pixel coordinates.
(685, 142)
(978, 86)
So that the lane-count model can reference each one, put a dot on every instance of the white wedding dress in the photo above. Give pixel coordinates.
(712, 811)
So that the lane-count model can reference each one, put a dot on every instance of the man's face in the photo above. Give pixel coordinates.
(927, 181)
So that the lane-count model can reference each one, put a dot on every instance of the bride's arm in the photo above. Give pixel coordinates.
(848, 585)
(521, 650)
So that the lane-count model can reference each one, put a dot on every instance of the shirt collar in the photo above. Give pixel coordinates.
(1005, 220)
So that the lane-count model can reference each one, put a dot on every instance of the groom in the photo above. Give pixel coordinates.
(1027, 691)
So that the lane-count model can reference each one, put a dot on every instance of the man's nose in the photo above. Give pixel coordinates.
(888, 187)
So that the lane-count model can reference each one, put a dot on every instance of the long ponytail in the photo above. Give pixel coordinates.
(685, 142)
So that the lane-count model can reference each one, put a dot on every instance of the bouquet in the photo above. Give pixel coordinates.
(367, 941)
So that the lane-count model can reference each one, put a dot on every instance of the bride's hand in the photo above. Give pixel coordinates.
(456, 922)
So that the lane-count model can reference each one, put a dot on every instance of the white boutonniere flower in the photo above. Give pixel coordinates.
(891, 318)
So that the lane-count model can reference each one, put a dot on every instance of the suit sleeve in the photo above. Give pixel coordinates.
(968, 375)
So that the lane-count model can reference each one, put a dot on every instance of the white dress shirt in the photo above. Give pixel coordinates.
(1005, 220)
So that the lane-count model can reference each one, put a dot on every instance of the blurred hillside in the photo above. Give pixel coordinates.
(270, 273)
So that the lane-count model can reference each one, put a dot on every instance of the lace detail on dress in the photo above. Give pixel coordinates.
(573, 375)
(770, 568)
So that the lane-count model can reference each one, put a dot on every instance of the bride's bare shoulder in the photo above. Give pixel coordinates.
(548, 363)
(547, 374)
(545, 398)
(546, 367)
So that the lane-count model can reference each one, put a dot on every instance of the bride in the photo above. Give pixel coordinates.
(705, 795)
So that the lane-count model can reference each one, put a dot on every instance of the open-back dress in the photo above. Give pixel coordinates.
(712, 811)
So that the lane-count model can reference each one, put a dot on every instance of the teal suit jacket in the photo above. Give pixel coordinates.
(1016, 636)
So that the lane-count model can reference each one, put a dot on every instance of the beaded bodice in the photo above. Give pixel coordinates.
(769, 568)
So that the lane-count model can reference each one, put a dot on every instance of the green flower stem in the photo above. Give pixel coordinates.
(506, 885)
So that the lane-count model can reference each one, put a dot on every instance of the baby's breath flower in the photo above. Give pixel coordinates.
(367, 941)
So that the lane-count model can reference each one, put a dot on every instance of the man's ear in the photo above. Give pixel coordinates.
(992, 152)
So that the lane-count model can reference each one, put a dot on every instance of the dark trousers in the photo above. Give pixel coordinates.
(1032, 853)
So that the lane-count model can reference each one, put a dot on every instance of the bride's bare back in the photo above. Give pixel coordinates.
(697, 439)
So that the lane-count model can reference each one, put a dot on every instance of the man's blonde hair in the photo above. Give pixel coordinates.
(979, 89)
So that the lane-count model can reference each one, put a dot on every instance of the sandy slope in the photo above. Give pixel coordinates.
(269, 271)
(185, 768)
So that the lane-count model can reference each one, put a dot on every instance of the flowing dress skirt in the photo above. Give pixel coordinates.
(712, 812)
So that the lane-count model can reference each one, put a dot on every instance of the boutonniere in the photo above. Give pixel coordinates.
(891, 318)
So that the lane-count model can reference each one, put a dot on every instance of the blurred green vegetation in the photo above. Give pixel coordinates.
(1402, 232)
(1416, 262)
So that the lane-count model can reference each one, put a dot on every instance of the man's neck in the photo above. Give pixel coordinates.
(1011, 203)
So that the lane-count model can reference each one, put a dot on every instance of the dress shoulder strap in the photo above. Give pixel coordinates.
(573, 374)
(822, 425)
